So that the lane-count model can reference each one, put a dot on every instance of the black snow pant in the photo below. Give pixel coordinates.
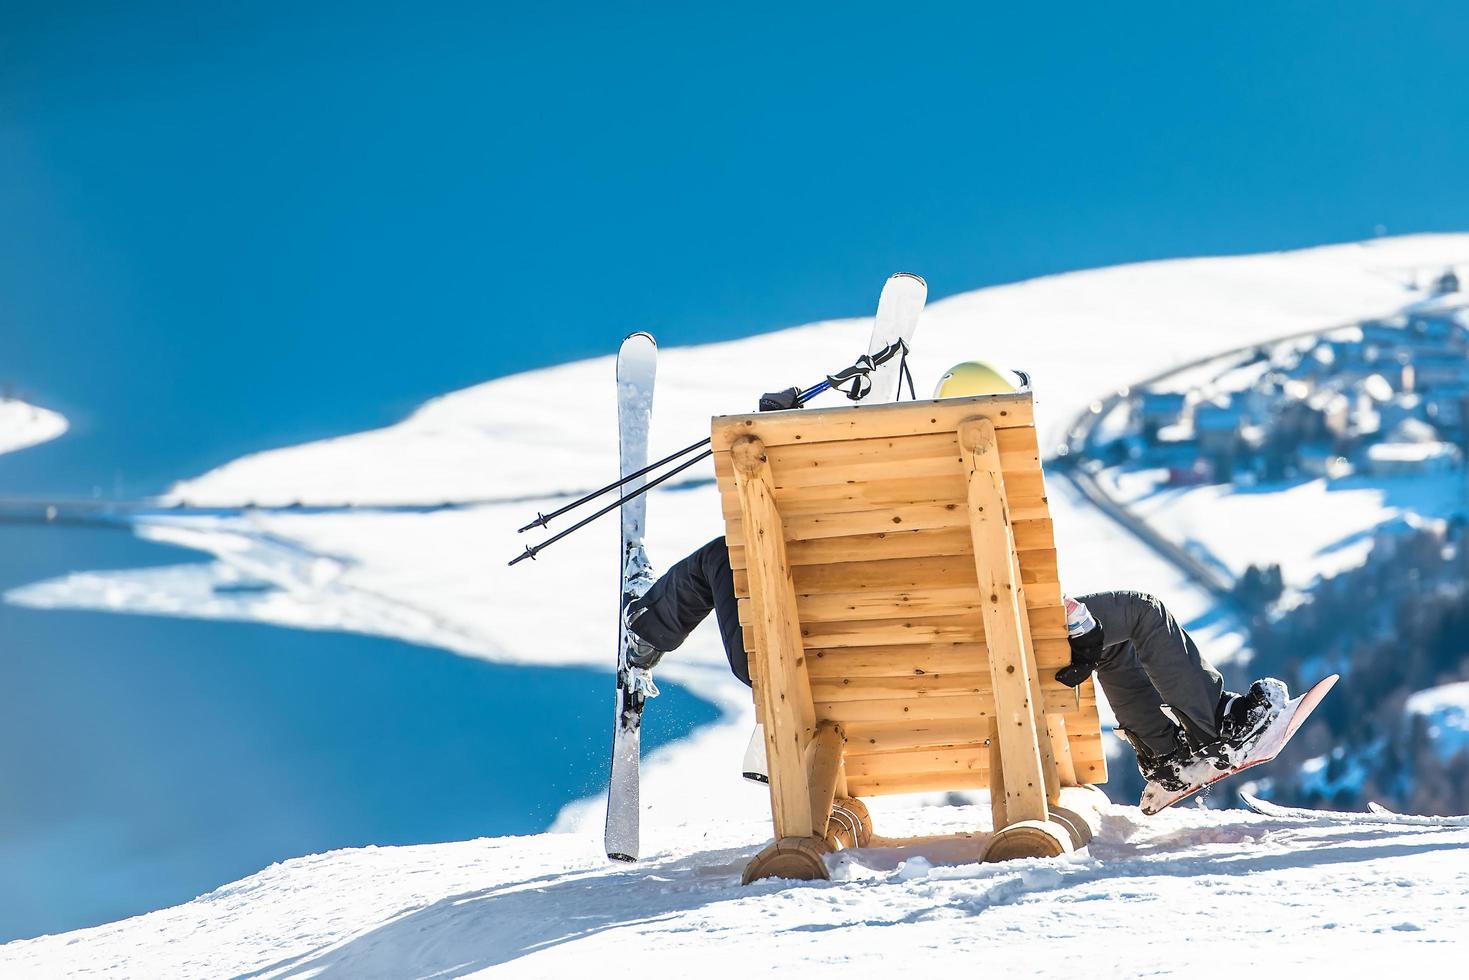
(1148, 659)
(682, 598)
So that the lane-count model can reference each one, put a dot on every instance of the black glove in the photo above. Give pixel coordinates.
(1086, 654)
(779, 401)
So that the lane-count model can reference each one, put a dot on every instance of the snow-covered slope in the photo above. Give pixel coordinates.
(545, 905)
(1080, 334)
(1193, 892)
(23, 424)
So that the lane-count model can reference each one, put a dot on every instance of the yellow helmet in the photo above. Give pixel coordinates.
(975, 378)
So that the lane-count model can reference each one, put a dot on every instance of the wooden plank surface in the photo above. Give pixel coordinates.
(915, 709)
(869, 737)
(904, 533)
(1028, 499)
(943, 572)
(807, 425)
(947, 758)
(861, 460)
(875, 536)
(938, 782)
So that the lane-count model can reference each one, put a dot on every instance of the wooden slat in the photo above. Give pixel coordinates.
(861, 460)
(1011, 661)
(999, 802)
(789, 717)
(898, 709)
(1028, 495)
(1061, 745)
(824, 765)
(895, 661)
(878, 632)
(936, 782)
(1048, 620)
(877, 538)
(947, 758)
(929, 685)
(832, 664)
(917, 710)
(871, 421)
(947, 572)
(867, 738)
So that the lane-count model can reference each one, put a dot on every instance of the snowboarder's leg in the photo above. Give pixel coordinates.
(683, 597)
(1150, 660)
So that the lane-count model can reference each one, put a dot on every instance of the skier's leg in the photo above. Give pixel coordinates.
(1134, 699)
(1161, 651)
(715, 556)
(681, 599)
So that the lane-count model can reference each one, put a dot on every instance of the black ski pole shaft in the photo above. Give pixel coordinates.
(533, 550)
(543, 519)
(802, 397)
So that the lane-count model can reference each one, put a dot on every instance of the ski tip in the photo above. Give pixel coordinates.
(624, 858)
(909, 275)
(643, 334)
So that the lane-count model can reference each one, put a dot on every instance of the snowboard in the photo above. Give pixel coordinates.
(1267, 745)
(898, 307)
(637, 365)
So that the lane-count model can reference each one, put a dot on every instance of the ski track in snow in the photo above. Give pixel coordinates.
(1152, 896)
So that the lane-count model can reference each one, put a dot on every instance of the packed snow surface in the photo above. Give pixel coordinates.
(1153, 895)
(1183, 891)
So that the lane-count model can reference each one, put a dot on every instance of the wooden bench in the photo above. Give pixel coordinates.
(896, 572)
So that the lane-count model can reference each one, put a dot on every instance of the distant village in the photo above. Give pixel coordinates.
(1386, 398)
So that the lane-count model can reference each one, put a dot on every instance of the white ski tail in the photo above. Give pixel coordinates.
(755, 768)
(637, 365)
(898, 310)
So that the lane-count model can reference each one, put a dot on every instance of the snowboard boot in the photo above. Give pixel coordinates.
(1161, 768)
(1242, 717)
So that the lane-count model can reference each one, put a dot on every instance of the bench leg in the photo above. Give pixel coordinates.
(800, 858)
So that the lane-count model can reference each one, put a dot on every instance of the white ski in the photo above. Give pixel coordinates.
(637, 365)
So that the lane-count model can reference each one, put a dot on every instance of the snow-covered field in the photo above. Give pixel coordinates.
(1312, 528)
(1151, 896)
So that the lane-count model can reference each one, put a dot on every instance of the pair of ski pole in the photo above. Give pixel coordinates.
(860, 383)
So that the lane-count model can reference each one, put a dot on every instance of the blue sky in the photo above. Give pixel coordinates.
(231, 228)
